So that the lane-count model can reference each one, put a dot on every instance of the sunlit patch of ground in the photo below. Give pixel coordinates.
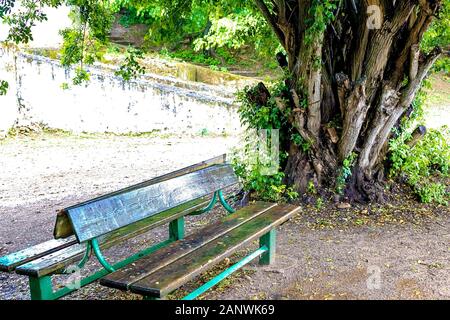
(437, 110)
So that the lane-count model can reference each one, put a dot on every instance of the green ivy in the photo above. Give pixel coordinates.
(250, 171)
(345, 172)
(321, 14)
(298, 140)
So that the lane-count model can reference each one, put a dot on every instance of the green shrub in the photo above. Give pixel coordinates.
(434, 192)
(246, 159)
(428, 159)
(263, 187)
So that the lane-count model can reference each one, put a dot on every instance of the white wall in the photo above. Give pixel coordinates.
(8, 103)
(108, 104)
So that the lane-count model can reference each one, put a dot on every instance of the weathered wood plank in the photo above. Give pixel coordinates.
(63, 227)
(106, 215)
(124, 277)
(59, 260)
(163, 281)
(9, 262)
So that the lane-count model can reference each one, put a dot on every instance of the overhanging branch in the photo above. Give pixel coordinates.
(272, 20)
(410, 91)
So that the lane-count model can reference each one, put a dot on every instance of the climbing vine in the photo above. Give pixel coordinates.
(321, 14)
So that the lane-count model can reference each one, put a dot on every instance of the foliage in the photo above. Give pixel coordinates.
(247, 159)
(216, 24)
(131, 68)
(3, 87)
(83, 41)
(78, 48)
(322, 13)
(430, 157)
(5, 7)
(345, 172)
(169, 21)
(268, 116)
(192, 56)
(236, 31)
(433, 192)
(438, 35)
(419, 164)
(298, 140)
(216, 28)
(21, 21)
(319, 203)
(264, 187)
(81, 75)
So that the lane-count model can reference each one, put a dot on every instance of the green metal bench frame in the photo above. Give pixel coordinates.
(42, 289)
(266, 252)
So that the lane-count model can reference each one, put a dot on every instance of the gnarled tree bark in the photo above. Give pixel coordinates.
(363, 79)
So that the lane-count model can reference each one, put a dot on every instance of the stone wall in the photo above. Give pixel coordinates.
(108, 104)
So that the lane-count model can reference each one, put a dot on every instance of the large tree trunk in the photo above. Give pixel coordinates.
(356, 81)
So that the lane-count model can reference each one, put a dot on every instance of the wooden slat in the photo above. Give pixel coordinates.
(9, 262)
(163, 281)
(104, 216)
(59, 260)
(63, 227)
(124, 277)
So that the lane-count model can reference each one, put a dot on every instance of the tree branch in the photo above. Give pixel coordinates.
(409, 93)
(271, 19)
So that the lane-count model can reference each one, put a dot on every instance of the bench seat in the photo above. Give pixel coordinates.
(11, 261)
(162, 272)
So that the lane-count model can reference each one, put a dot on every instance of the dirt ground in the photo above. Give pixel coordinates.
(396, 251)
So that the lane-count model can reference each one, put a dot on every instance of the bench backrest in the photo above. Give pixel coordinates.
(111, 212)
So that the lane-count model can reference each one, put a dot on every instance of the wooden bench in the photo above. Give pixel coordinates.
(109, 220)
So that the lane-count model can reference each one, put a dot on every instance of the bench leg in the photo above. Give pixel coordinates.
(41, 288)
(176, 229)
(269, 240)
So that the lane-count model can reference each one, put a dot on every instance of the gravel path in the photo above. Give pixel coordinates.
(43, 174)
(390, 262)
